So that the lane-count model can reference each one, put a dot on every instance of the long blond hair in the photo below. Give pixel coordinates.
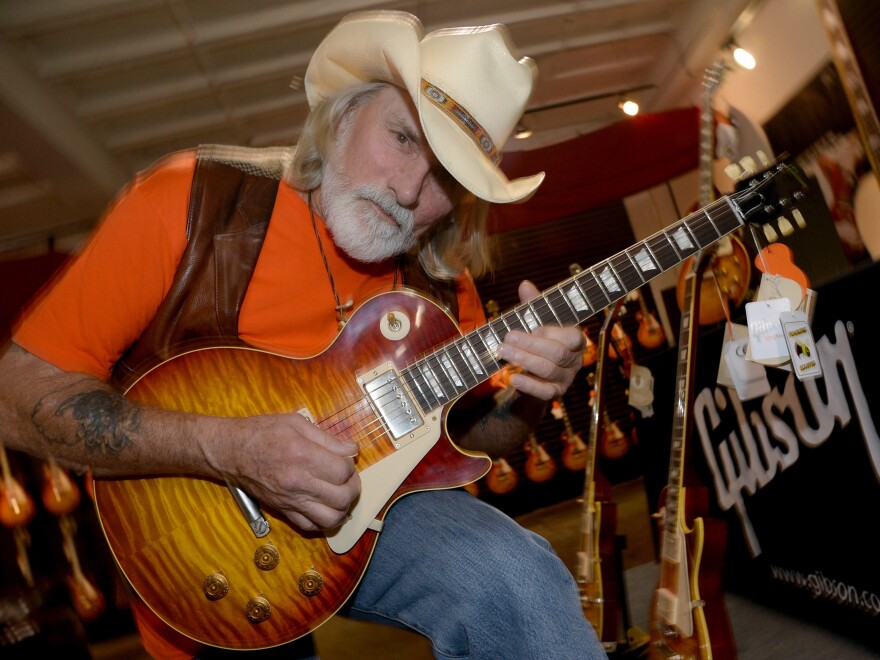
(455, 244)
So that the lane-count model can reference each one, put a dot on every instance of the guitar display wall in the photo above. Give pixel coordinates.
(544, 254)
(795, 473)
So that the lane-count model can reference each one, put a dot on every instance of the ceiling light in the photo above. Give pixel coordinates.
(522, 131)
(744, 58)
(629, 107)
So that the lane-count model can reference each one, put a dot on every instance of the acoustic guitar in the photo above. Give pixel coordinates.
(688, 617)
(228, 571)
(597, 569)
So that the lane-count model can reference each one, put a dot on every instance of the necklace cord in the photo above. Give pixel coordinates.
(342, 317)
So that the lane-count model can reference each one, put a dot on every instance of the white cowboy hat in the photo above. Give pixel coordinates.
(468, 87)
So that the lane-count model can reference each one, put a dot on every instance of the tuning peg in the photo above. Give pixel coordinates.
(784, 226)
(770, 233)
(799, 218)
(734, 171)
(762, 158)
(748, 164)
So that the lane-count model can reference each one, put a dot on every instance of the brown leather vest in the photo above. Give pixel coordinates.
(231, 201)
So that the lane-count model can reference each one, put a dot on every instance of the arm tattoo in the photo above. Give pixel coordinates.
(104, 423)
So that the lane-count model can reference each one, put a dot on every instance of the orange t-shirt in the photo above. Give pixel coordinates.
(101, 302)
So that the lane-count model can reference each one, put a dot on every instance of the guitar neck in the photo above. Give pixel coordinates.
(681, 428)
(711, 80)
(456, 367)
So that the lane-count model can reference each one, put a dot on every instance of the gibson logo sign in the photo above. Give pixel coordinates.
(763, 442)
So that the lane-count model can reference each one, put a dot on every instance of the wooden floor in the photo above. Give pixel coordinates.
(343, 639)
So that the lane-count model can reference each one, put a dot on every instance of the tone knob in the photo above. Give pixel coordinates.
(266, 557)
(216, 586)
(311, 583)
(258, 609)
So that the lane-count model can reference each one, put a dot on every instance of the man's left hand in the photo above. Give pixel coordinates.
(545, 362)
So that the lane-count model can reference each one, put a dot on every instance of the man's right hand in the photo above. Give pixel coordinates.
(288, 463)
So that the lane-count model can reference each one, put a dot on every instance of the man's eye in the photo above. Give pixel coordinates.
(402, 138)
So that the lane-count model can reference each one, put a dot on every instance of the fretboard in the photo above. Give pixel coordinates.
(458, 366)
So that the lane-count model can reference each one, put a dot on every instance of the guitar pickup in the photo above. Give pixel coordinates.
(393, 404)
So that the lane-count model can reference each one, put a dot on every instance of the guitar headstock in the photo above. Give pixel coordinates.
(768, 195)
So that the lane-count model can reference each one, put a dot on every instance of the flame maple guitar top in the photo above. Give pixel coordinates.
(169, 533)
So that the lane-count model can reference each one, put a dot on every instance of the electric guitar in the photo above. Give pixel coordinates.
(16, 505)
(60, 495)
(574, 453)
(725, 282)
(225, 570)
(688, 617)
(16, 511)
(502, 478)
(650, 333)
(540, 465)
(88, 601)
(596, 574)
(613, 442)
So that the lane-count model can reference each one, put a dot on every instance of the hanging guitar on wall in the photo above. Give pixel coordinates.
(501, 478)
(688, 617)
(725, 281)
(574, 452)
(650, 334)
(16, 511)
(596, 558)
(540, 465)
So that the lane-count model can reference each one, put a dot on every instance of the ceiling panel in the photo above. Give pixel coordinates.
(91, 91)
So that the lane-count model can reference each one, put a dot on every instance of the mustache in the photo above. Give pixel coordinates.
(404, 217)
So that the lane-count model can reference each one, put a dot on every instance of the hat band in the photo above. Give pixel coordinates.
(463, 118)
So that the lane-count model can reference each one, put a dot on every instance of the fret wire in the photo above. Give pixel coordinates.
(443, 377)
(461, 358)
(627, 272)
(592, 288)
(461, 367)
(567, 304)
(653, 259)
(583, 296)
(421, 389)
(480, 353)
(611, 281)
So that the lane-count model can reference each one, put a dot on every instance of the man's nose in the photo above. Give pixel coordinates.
(409, 180)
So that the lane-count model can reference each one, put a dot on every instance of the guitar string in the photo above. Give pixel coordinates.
(696, 221)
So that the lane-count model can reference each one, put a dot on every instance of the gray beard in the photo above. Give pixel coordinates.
(355, 223)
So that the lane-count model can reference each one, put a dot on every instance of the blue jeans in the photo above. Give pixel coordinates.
(472, 580)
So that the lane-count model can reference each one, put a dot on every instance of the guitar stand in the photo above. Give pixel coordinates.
(636, 643)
